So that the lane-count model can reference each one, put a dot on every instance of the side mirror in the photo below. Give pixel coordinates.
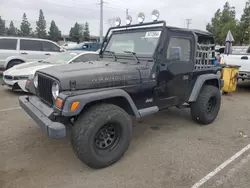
(175, 53)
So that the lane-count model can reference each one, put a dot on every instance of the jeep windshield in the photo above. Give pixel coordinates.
(138, 42)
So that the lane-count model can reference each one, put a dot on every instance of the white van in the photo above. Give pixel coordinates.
(16, 50)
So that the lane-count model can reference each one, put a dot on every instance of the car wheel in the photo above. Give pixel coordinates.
(13, 63)
(206, 108)
(102, 135)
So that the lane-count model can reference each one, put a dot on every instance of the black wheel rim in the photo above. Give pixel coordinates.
(211, 105)
(107, 136)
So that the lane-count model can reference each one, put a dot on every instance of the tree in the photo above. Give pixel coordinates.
(76, 33)
(2, 27)
(54, 32)
(245, 23)
(12, 30)
(41, 26)
(25, 28)
(222, 22)
(86, 33)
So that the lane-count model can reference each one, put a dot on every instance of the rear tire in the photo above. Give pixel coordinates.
(206, 107)
(102, 135)
(13, 63)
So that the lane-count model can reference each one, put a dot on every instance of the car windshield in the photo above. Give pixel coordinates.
(61, 58)
(140, 42)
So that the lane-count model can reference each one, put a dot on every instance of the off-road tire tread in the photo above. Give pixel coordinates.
(198, 112)
(87, 121)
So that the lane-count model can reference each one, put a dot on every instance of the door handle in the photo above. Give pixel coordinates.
(47, 54)
(244, 57)
(24, 53)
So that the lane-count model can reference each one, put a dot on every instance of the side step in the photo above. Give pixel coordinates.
(147, 111)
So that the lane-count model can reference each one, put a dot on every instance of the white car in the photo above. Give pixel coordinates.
(17, 50)
(15, 77)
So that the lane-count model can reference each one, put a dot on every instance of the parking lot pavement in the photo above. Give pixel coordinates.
(168, 150)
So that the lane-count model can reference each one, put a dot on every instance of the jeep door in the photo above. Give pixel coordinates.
(176, 68)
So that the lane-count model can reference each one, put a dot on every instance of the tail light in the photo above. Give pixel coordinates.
(219, 60)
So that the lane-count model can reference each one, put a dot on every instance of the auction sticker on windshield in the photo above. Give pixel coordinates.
(153, 34)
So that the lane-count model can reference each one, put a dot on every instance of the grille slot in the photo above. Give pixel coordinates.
(45, 89)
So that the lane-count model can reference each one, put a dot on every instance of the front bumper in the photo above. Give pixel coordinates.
(244, 75)
(42, 115)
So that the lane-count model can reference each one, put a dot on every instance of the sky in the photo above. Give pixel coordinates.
(66, 12)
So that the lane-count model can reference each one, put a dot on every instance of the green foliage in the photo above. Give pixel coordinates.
(25, 29)
(86, 33)
(12, 30)
(245, 23)
(41, 26)
(54, 32)
(224, 20)
(2, 27)
(76, 33)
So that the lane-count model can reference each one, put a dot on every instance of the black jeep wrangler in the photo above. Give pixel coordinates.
(143, 68)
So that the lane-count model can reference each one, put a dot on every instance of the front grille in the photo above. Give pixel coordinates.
(45, 89)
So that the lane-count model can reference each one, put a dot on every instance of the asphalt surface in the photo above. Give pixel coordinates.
(168, 151)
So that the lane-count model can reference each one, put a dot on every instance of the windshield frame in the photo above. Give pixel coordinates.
(134, 31)
(132, 28)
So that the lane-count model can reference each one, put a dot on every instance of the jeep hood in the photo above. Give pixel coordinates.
(97, 74)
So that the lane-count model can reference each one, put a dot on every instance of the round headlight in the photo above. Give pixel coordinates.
(35, 80)
(141, 17)
(55, 90)
(155, 15)
(128, 20)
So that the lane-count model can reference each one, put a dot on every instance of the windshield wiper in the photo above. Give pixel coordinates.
(112, 53)
(134, 55)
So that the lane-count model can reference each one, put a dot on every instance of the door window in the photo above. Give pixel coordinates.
(50, 47)
(179, 49)
(8, 44)
(30, 45)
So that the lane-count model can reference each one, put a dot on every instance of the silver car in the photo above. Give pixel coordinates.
(16, 50)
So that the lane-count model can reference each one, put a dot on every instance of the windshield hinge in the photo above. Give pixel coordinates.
(72, 85)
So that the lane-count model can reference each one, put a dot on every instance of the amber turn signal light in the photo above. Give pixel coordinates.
(59, 102)
(74, 105)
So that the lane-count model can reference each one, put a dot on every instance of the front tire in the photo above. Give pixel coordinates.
(206, 107)
(13, 63)
(102, 135)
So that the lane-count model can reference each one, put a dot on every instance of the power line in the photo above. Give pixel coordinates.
(188, 22)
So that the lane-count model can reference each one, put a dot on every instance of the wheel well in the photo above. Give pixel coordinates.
(14, 60)
(213, 82)
(119, 101)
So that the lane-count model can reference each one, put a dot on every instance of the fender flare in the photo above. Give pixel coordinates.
(13, 58)
(199, 83)
(86, 98)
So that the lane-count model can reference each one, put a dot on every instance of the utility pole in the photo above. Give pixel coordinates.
(188, 22)
(101, 21)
